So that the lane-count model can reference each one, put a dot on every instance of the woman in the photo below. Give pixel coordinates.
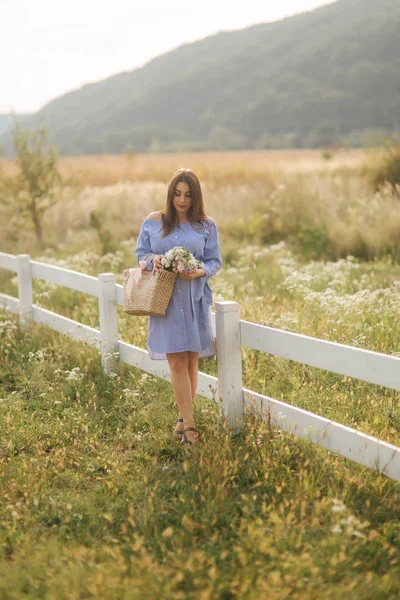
(184, 334)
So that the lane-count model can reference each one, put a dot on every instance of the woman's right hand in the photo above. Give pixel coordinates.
(157, 266)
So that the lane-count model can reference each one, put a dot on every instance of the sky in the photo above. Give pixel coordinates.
(49, 47)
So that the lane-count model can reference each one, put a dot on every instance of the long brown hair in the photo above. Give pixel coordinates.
(195, 213)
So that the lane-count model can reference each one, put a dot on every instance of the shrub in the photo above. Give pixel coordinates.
(97, 221)
(388, 169)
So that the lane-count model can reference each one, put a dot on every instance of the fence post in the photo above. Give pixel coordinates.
(24, 290)
(108, 314)
(229, 363)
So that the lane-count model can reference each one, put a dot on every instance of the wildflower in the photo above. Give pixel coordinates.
(358, 534)
(74, 374)
(338, 505)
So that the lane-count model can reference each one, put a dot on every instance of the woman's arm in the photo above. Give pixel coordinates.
(211, 258)
(212, 254)
(143, 246)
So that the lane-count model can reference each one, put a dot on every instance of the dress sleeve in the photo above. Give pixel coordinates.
(143, 246)
(212, 263)
(212, 253)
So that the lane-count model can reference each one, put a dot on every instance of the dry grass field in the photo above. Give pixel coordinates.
(104, 170)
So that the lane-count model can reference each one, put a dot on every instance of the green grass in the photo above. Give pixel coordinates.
(97, 500)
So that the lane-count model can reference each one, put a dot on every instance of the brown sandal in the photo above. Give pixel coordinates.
(185, 440)
(178, 432)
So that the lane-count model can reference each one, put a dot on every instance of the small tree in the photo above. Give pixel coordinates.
(32, 191)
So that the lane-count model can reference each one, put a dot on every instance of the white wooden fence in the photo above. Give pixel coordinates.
(231, 334)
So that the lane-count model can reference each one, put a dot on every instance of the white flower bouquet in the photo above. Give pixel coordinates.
(178, 259)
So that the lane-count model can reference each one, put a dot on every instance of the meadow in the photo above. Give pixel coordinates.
(97, 500)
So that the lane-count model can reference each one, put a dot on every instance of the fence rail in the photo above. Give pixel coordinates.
(231, 334)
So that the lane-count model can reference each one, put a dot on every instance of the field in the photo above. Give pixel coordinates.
(110, 169)
(97, 500)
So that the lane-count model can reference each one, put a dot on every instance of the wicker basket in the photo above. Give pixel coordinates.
(151, 294)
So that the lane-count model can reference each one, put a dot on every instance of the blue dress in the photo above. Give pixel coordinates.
(187, 323)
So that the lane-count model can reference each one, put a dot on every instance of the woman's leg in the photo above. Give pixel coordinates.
(181, 385)
(194, 377)
(194, 371)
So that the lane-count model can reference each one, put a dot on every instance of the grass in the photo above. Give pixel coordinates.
(98, 500)
(217, 167)
(323, 209)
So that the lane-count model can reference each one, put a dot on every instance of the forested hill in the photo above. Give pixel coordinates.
(332, 74)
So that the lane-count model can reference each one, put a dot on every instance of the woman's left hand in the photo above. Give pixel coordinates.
(193, 274)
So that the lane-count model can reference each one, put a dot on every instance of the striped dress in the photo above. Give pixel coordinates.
(187, 323)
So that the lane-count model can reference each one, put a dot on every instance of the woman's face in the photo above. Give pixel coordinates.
(182, 199)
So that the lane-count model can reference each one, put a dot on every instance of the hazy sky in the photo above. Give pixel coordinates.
(48, 47)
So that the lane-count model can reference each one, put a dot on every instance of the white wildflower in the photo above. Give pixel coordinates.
(337, 529)
(337, 505)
